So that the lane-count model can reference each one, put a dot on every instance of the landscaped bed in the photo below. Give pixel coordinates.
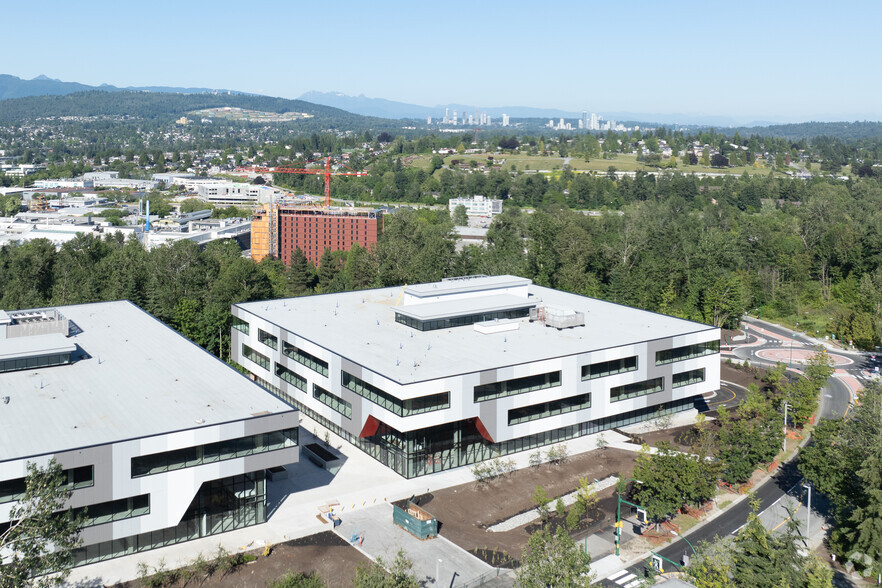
(464, 512)
(326, 554)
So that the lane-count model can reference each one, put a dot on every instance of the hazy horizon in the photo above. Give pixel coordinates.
(775, 62)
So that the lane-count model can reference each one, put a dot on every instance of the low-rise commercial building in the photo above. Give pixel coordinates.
(435, 376)
(234, 193)
(159, 441)
(477, 206)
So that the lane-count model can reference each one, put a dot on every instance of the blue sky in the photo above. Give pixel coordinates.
(771, 60)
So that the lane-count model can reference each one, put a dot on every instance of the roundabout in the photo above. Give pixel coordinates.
(799, 356)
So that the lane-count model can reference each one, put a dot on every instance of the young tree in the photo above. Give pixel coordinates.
(753, 436)
(42, 535)
(399, 575)
(541, 500)
(553, 560)
(802, 393)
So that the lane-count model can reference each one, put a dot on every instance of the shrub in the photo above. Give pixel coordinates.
(557, 454)
(298, 580)
(535, 459)
(560, 508)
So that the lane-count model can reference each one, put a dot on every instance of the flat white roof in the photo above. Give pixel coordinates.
(138, 378)
(455, 286)
(466, 306)
(35, 345)
(361, 327)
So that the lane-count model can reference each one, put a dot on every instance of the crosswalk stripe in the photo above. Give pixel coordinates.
(626, 579)
(617, 574)
(633, 584)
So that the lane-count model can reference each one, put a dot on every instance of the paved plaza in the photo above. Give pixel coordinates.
(382, 538)
(362, 484)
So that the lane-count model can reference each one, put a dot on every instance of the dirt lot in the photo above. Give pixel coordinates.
(464, 512)
(333, 560)
(740, 376)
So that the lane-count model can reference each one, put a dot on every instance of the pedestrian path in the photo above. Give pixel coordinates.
(435, 561)
(625, 579)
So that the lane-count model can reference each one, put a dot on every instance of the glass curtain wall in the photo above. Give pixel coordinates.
(219, 506)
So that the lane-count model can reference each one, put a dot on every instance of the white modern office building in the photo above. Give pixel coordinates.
(477, 206)
(233, 193)
(159, 440)
(435, 376)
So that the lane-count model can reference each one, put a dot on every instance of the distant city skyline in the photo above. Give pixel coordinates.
(779, 61)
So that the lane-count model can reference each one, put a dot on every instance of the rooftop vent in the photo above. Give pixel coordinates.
(27, 323)
(559, 318)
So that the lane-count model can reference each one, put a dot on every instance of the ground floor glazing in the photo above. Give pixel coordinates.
(219, 506)
(451, 445)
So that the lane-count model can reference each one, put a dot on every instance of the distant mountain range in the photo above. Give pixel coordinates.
(15, 87)
(164, 107)
(380, 113)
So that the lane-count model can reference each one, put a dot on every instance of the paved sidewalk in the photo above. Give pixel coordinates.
(293, 503)
(383, 539)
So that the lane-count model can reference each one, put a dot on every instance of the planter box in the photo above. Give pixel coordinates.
(322, 457)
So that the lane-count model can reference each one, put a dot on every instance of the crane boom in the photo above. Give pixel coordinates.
(327, 172)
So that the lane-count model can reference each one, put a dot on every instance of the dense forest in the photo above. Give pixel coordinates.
(815, 261)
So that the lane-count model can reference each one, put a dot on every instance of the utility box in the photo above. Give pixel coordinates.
(414, 520)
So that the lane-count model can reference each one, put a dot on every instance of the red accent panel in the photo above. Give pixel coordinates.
(370, 427)
(483, 430)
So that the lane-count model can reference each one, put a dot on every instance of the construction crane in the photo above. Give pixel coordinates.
(316, 172)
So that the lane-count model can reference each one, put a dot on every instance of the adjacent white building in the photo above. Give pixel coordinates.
(477, 206)
(160, 440)
(234, 193)
(435, 376)
(78, 183)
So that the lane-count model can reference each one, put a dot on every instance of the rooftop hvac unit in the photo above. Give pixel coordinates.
(559, 318)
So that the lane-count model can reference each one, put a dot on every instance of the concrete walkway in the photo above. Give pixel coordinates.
(293, 503)
(383, 539)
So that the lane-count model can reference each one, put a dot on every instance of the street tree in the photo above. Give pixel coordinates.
(758, 557)
(380, 574)
(671, 479)
(845, 463)
(749, 437)
(43, 534)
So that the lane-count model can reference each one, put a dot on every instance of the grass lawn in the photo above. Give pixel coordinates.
(685, 522)
(421, 161)
(622, 162)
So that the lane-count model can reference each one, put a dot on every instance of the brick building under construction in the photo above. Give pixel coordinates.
(277, 230)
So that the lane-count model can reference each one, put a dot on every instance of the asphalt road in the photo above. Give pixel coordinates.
(835, 401)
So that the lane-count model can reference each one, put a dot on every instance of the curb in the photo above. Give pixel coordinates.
(710, 518)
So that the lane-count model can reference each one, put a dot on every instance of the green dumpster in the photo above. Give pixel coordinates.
(414, 520)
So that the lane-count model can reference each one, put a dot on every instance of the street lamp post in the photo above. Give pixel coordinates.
(786, 406)
(619, 502)
(808, 514)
